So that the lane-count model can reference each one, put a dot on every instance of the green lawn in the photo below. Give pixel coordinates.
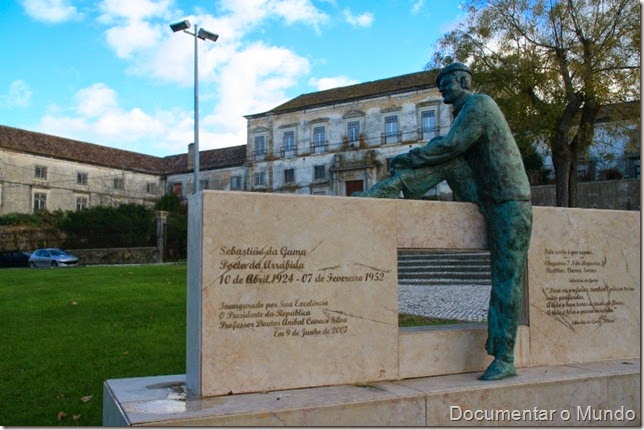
(65, 331)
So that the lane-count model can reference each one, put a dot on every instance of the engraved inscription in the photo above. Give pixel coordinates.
(272, 265)
(298, 318)
(582, 295)
(276, 266)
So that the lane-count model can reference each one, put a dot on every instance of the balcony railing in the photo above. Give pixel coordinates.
(389, 138)
(288, 151)
(428, 134)
(320, 147)
(259, 155)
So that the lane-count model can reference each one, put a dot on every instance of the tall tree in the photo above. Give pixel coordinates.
(551, 65)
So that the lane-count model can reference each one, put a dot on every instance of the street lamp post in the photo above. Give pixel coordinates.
(203, 35)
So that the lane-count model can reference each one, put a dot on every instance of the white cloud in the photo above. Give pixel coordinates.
(129, 31)
(133, 10)
(335, 82)
(243, 78)
(19, 95)
(95, 101)
(362, 20)
(155, 51)
(254, 11)
(97, 117)
(54, 11)
(298, 11)
(253, 81)
(133, 36)
(236, 77)
(417, 6)
(251, 11)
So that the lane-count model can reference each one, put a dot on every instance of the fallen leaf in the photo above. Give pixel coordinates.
(87, 398)
(76, 417)
(125, 352)
(61, 415)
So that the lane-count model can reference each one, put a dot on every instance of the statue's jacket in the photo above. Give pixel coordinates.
(482, 137)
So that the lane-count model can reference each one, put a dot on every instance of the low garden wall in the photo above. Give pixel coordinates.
(32, 238)
(622, 194)
(144, 255)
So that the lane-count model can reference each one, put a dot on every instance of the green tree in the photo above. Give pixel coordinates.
(551, 65)
(126, 225)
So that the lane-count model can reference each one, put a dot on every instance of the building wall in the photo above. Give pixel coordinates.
(220, 179)
(616, 148)
(19, 184)
(623, 194)
(344, 160)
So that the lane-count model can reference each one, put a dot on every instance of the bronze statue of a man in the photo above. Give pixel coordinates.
(482, 164)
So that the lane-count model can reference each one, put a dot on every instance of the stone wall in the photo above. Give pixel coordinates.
(146, 255)
(29, 238)
(623, 194)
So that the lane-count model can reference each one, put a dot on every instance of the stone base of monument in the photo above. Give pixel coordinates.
(292, 319)
(603, 393)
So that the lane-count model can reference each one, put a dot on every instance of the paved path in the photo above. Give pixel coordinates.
(461, 302)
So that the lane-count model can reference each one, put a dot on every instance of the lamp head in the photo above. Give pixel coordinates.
(205, 34)
(179, 26)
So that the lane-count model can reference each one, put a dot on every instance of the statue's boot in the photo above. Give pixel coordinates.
(389, 188)
(499, 369)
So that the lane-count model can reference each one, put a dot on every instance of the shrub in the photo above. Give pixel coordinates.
(611, 174)
(126, 225)
(18, 219)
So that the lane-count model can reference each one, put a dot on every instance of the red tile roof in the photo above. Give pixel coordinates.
(73, 150)
(46, 145)
(208, 160)
(397, 84)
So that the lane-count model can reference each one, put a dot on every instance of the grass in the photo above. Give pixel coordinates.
(63, 332)
(409, 320)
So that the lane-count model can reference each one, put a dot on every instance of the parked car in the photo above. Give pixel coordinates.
(14, 258)
(51, 257)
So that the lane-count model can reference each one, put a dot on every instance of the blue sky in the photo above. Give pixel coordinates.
(112, 72)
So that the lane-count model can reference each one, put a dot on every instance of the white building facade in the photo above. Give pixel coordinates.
(339, 141)
(219, 169)
(44, 172)
(31, 183)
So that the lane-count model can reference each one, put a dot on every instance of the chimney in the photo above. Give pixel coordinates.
(191, 156)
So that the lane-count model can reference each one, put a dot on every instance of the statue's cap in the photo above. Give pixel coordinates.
(452, 68)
